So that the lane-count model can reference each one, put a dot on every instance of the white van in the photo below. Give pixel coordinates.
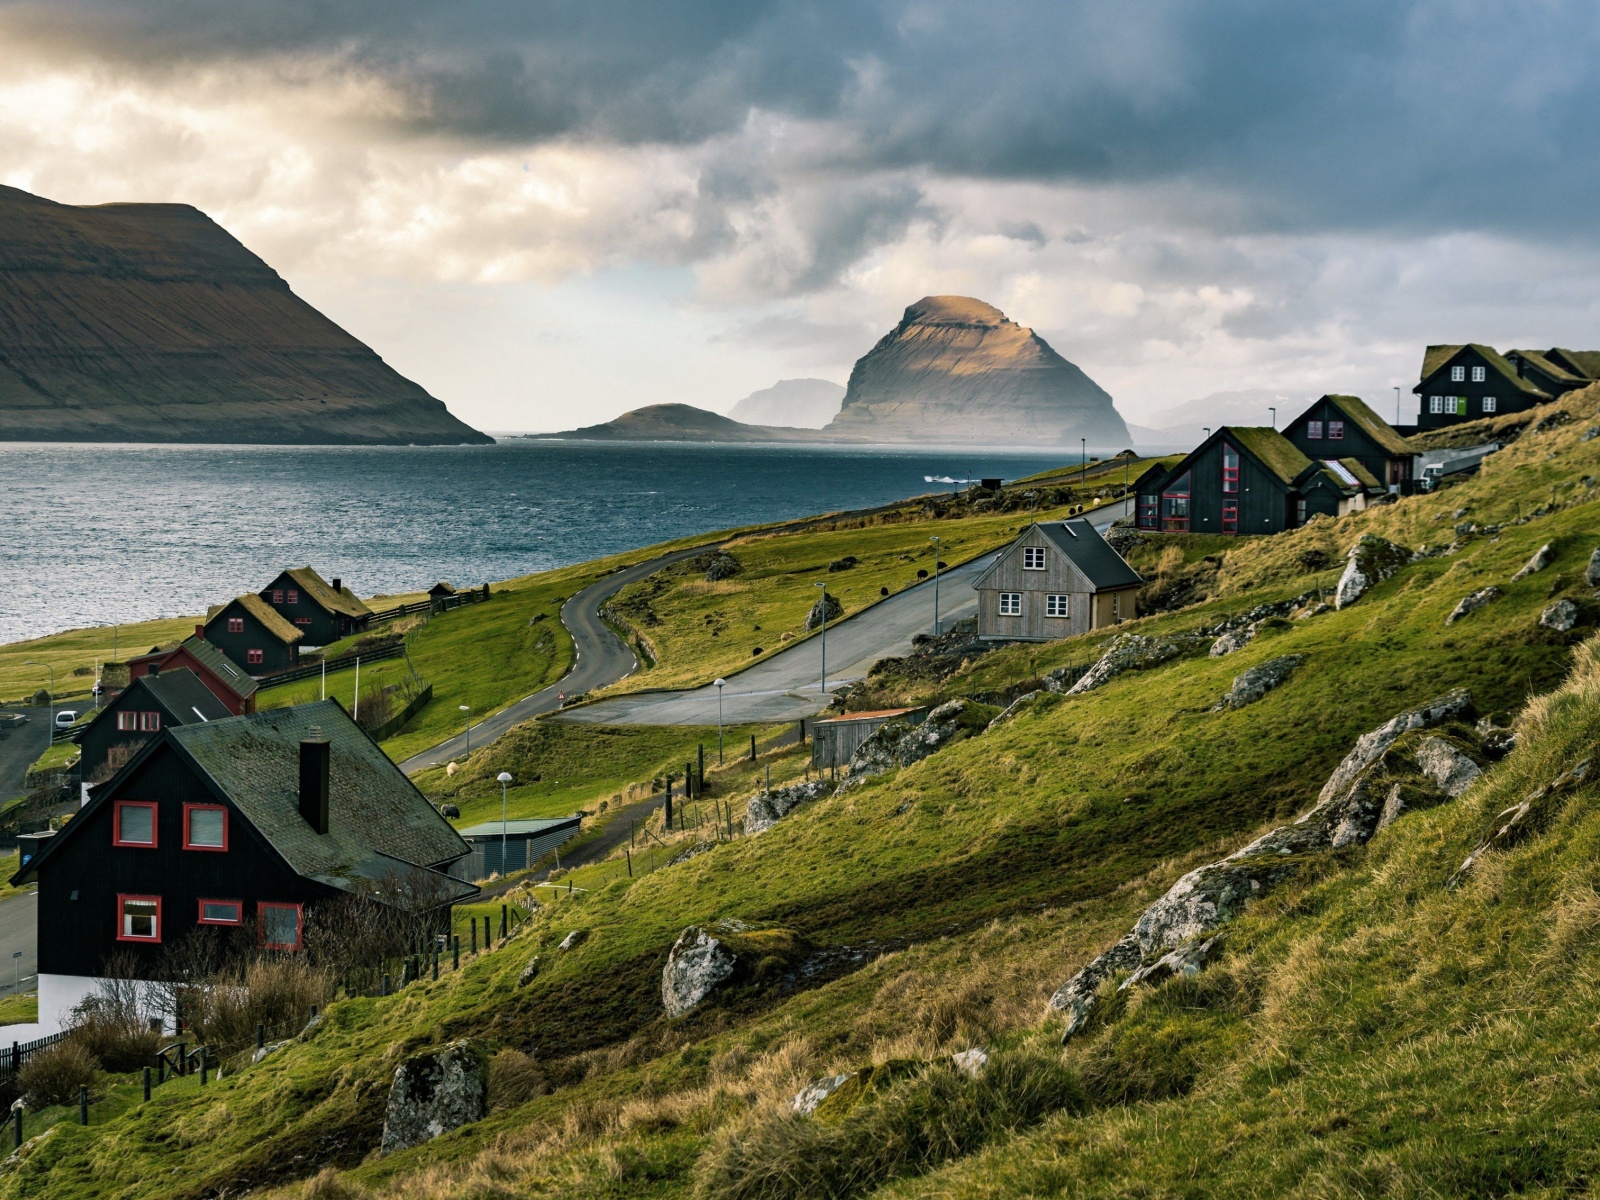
(65, 718)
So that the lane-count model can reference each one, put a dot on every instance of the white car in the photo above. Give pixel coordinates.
(65, 718)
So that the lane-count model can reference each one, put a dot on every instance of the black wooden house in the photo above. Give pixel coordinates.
(1344, 427)
(155, 701)
(224, 679)
(1473, 381)
(323, 612)
(244, 825)
(251, 634)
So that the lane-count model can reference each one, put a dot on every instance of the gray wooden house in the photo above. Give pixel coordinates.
(1054, 581)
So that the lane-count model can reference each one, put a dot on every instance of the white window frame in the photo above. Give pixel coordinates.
(1033, 558)
(1477, 375)
(1491, 404)
(1436, 404)
(1458, 374)
(1058, 604)
(1010, 604)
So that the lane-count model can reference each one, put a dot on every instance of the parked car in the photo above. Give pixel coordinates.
(65, 718)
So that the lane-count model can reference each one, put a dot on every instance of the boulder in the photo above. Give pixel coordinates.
(1251, 685)
(269, 1049)
(1077, 996)
(1135, 652)
(1542, 558)
(434, 1093)
(899, 743)
(1472, 603)
(1236, 639)
(696, 966)
(574, 939)
(1510, 825)
(1560, 616)
(1060, 680)
(1016, 706)
(1370, 746)
(807, 1098)
(835, 611)
(971, 1062)
(765, 809)
(529, 973)
(1206, 897)
(1370, 561)
(1451, 771)
(1591, 573)
(1188, 959)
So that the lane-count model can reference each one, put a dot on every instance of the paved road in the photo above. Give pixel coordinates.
(601, 658)
(788, 685)
(21, 747)
(19, 930)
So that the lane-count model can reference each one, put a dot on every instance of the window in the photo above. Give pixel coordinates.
(1033, 558)
(1490, 404)
(1313, 429)
(133, 823)
(280, 926)
(255, 658)
(1436, 404)
(277, 595)
(1456, 404)
(1335, 430)
(1149, 507)
(1056, 606)
(1458, 374)
(1010, 604)
(221, 912)
(1300, 511)
(294, 596)
(1477, 374)
(1175, 505)
(1116, 607)
(302, 621)
(1230, 517)
(149, 722)
(138, 918)
(127, 722)
(1230, 468)
(205, 827)
(235, 624)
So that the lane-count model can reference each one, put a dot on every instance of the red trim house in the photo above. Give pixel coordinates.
(233, 687)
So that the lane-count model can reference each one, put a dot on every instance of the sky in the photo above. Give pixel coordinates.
(549, 213)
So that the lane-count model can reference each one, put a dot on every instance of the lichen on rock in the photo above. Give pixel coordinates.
(1370, 561)
(434, 1093)
(1136, 652)
(1561, 616)
(765, 809)
(1542, 558)
(696, 965)
(1249, 686)
(1472, 603)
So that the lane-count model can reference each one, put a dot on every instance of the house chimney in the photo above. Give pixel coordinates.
(314, 781)
(200, 632)
(155, 669)
(336, 582)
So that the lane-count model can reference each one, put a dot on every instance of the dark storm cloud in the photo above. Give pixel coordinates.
(1369, 114)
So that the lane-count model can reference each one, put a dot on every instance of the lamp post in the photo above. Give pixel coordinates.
(467, 709)
(824, 588)
(504, 777)
(935, 541)
(721, 682)
(1274, 413)
(1397, 406)
(51, 701)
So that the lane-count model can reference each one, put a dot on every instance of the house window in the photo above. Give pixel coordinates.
(280, 926)
(1230, 518)
(138, 918)
(1458, 374)
(150, 722)
(205, 827)
(1149, 507)
(235, 624)
(221, 912)
(277, 595)
(1056, 606)
(127, 722)
(1300, 511)
(1033, 558)
(1313, 429)
(1116, 607)
(1456, 405)
(294, 596)
(1175, 505)
(1230, 468)
(133, 823)
(1477, 374)
(1335, 430)
(306, 621)
(1010, 604)
(1436, 404)
(1490, 404)
(255, 658)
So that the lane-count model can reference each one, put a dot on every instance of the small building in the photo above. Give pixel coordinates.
(244, 826)
(1344, 427)
(155, 701)
(439, 596)
(526, 842)
(252, 635)
(322, 611)
(1055, 580)
(224, 680)
(1473, 381)
(834, 740)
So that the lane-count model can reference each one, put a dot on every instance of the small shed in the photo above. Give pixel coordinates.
(526, 842)
(834, 740)
(439, 596)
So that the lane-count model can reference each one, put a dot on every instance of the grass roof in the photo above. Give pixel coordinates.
(1359, 469)
(263, 612)
(1270, 448)
(1543, 362)
(1583, 362)
(1357, 411)
(319, 589)
(1437, 358)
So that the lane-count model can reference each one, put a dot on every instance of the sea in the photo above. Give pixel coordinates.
(99, 535)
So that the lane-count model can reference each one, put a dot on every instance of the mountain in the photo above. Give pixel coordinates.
(1186, 423)
(680, 423)
(800, 403)
(151, 323)
(957, 370)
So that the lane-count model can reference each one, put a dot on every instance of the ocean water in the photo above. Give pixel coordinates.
(99, 535)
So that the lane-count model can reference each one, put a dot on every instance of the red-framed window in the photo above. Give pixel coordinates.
(1175, 505)
(1314, 429)
(1149, 511)
(149, 722)
(280, 926)
(277, 595)
(138, 918)
(1335, 430)
(235, 624)
(220, 912)
(133, 823)
(127, 722)
(205, 827)
(255, 658)
(306, 621)
(1230, 469)
(1230, 517)
(294, 596)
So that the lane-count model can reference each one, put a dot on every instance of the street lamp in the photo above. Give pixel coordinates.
(1397, 406)
(935, 541)
(51, 700)
(720, 684)
(1274, 413)
(467, 708)
(504, 777)
(824, 588)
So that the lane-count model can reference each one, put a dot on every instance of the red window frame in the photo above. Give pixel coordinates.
(123, 898)
(306, 621)
(1230, 469)
(1230, 517)
(1314, 430)
(235, 624)
(261, 926)
(277, 595)
(202, 919)
(150, 722)
(189, 808)
(1173, 523)
(127, 722)
(255, 658)
(294, 596)
(1335, 430)
(116, 824)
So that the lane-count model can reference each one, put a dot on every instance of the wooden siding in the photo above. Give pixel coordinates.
(276, 656)
(320, 626)
(1061, 576)
(1264, 500)
(1508, 398)
(1356, 444)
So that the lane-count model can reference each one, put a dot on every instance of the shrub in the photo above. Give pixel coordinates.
(113, 1029)
(275, 992)
(514, 1078)
(54, 1076)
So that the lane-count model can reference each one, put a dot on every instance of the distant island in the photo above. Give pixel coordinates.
(151, 323)
(955, 370)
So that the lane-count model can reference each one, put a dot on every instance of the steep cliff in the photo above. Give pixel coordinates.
(797, 403)
(958, 370)
(149, 322)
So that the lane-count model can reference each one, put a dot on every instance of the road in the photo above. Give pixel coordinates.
(788, 685)
(20, 749)
(19, 930)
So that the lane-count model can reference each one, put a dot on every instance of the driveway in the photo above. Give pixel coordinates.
(19, 930)
(21, 747)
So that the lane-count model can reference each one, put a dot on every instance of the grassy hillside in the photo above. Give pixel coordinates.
(1366, 1031)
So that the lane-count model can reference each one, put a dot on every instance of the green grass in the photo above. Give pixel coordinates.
(8, 868)
(60, 755)
(21, 1008)
(1368, 1032)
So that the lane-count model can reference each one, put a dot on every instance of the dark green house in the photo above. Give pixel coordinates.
(1342, 427)
(251, 633)
(323, 612)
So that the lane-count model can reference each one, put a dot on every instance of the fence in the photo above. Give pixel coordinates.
(398, 722)
(333, 664)
(443, 604)
(21, 1052)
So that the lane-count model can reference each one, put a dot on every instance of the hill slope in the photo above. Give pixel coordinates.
(798, 403)
(680, 423)
(150, 323)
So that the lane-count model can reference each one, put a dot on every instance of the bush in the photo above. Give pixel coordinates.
(112, 1028)
(275, 992)
(54, 1076)
(514, 1078)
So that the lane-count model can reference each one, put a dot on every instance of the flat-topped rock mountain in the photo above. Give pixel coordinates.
(957, 370)
(151, 323)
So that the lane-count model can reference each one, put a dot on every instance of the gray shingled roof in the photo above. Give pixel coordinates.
(180, 692)
(373, 809)
(1081, 542)
(220, 665)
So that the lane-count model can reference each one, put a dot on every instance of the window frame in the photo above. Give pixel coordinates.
(202, 919)
(255, 657)
(1149, 516)
(1336, 431)
(123, 898)
(1479, 375)
(155, 824)
(277, 595)
(1006, 600)
(188, 843)
(1065, 599)
(235, 624)
(261, 925)
(1458, 374)
(150, 721)
(1032, 554)
(1230, 474)
(127, 721)
(1314, 430)
(1491, 404)
(1177, 522)
(1436, 404)
(293, 595)
(1230, 516)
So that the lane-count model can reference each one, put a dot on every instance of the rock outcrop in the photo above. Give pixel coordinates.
(1370, 561)
(1542, 558)
(150, 323)
(1249, 686)
(766, 809)
(835, 609)
(958, 370)
(807, 1098)
(1471, 604)
(434, 1093)
(1591, 572)
(1135, 652)
(900, 743)
(696, 966)
(1561, 616)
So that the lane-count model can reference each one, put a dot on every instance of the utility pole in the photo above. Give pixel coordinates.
(1397, 406)
(935, 542)
(1274, 413)
(824, 588)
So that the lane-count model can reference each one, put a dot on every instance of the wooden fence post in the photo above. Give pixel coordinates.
(16, 1123)
(146, 1086)
(752, 747)
(83, 1105)
(455, 952)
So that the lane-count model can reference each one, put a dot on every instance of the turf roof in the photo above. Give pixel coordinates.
(263, 612)
(1436, 358)
(1358, 412)
(1542, 362)
(1359, 469)
(1270, 448)
(1582, 362)
(319, 589)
